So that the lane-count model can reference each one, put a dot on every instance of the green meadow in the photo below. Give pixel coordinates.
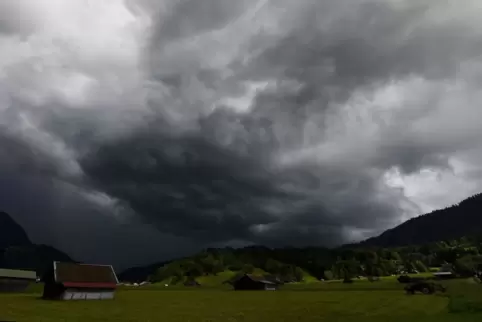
(316, 301)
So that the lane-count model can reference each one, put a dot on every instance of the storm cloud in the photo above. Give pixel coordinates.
(133, 131)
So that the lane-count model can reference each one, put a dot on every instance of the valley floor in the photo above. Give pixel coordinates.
(362, 301)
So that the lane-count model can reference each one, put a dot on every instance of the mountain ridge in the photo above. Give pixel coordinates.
(459, 220)
(18, 252)
(11, 233)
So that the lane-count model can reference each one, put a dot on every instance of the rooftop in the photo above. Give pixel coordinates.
(260, 279)
(20, 274)
(84, 273)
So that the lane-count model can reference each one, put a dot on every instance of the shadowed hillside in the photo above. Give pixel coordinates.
(463, 219)
(18, 252)
(11, 233)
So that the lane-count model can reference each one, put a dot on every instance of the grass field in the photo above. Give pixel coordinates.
(361, 301)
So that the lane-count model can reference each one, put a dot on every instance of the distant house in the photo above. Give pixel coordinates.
(12, 280)
(251, 282)
(444, 274)
(274, 278)
(446, 271)
(71, 281)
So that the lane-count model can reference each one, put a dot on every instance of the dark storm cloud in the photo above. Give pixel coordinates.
(185, 185)
(221, 122)
(192, 187)
(371, 45)
(374, 44)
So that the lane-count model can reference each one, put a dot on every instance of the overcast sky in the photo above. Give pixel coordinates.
(134, 131)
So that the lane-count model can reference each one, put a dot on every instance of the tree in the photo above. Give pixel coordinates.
(346, 275)
(328, 275)
(394, 255)
(248, 268)
(388, 266)
(218, 267)
(193, 269)
(378, 271)
(298, 274)
(419, 266)
(207, 263)
(272, 266)
(448, 255)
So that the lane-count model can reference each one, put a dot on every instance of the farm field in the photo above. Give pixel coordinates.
(360, 301)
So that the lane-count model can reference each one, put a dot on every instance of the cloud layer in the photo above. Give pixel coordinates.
(153, 128)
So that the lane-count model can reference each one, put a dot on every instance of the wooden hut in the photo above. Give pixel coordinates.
(13, 280)
(251, 282)
(72, 281)
(445, 272)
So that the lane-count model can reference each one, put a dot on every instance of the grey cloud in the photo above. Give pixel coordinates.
(303, 164)
(372, 44)
(190, 17)
(59, 214)
(186, 186)
(10, 24)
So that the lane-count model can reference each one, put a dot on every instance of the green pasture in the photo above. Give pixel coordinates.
(316, 301)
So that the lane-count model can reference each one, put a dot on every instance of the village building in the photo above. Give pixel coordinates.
(13, 280)
(251, 282)
(445, 272)
(72, 281)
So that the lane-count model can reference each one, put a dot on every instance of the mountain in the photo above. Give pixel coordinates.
(11, 233)
(453, 235)
(463, 219)
(32, 257)
(18, 252)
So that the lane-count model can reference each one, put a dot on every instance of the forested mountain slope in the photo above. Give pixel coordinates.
(463, 219)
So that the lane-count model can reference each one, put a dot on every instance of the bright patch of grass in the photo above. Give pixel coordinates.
(215, 280)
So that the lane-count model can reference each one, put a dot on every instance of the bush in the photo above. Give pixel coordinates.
(248, 268)
(328, 275)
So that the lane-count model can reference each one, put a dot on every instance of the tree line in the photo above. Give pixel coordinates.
(295, 264)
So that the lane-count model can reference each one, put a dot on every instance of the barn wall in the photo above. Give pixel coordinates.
(270, 287)
(77, 294)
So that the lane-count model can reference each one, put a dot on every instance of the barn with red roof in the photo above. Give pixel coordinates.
(73, 281)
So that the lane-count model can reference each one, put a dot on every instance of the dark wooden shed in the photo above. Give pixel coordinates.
(252, 282)
(13, 280)
(72, 281)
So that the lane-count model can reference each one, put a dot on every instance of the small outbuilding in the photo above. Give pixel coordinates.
(72, 281)
(445, 272)
(444, 275)
(13, 280)
(251, 282)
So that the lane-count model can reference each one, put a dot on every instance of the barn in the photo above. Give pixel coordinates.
(251, 282)
(72, 281)
(12, 280)
(445, 272)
